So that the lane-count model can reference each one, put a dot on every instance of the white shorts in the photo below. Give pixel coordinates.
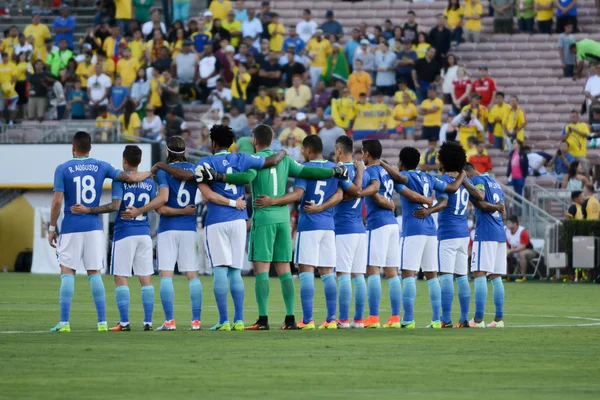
(382, 246)
(453, 256)
(489, 257)
(315, 248)
(419, 251)
(225, 243)
(176, 247)
(132, 252)
(85, 249)
(351, 251)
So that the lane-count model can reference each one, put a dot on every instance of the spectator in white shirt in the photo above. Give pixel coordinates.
(152, 126)
(148, 27)
(536, 162)
(220, 97)
(237, 121)
(23, 47)
(592, 86)
(307, 27)
(252, 27)
(98, 89)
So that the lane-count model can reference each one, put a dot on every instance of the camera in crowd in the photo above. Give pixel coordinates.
(468, 115)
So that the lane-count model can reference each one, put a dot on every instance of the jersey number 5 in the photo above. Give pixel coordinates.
(84, 186)
(320, 192)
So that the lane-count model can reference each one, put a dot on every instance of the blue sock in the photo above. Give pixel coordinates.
(195, 298)
(345, 283)
(330, 290)
(498, 287)
(99, 296)
(447, 286)
(220, 290)
(481, 292)
(148, 302)
(395, 294)
(167, 297)
(123, 298)
(374, 290)
(464, 297)
(307, 294)
(236, 287)
(67, 287)
(360, 296)
(435, 297)
(409, 293)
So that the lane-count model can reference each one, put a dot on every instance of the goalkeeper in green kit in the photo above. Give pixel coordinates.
(270, 235)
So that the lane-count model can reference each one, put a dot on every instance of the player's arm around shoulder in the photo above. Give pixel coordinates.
(334, 200)
(221, 200)
(476, 193)
(275, 159)
(373, 187)
(423, 212)
(413, 196)
(450, 187)
(294, 196)
(394, 173)
(177, 173)
(158, 201)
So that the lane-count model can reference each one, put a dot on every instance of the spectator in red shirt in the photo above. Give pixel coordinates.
(485, 86)
(461, 89)
(481, 161)
(520, 248)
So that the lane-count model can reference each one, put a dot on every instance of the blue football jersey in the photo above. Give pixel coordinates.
(348, 214)
(377, 216)
(227, 162)
(132, 195)
(318, 192)
(489, 226)
(81, 180)
(423, 184)
(452, 220)
(181, 195)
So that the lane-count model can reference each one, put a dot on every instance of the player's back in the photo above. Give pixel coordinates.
(452, 220)
(81, 180)
(423, 184)
(378, 216)
(181, 195)
(133, 195)
(227, 163)
(317, 192)
(490, 226)
(348, 214)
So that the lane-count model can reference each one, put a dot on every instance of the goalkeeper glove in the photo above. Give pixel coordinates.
(341, 171)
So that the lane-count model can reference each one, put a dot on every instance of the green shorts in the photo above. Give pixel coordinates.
(271, 243)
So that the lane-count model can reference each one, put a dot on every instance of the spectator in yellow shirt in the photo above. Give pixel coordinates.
(10, 42)
(298, 95)
(342, 109)
(84, 70)
(359, 81)
(130, 121)
(514, 123)
(360, 104)
(577, 134)
(112, 43)
(234, 27)
(472, 16)
(431, 110)
(544, 11)
(292, 130)
(402, 90)
(39, 31)
(239, 87)
(105, 121)
(590, 206)
(496, 118)
(454, 17)
(477, 111)
(262, 101)
(123, 14)
(11, 99)
(137, 46)
(177, 45)
(127, 67)
(107, 64)
(155, 90)
(276, 30)
(220, 8)
(405, 114)
(279, 102)
(8, 69)
(318, 48)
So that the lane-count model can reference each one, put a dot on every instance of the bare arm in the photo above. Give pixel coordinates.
(425, 212)
(132, 212)
(383, 202)
(312, 208)
(263, 201)
(473, 191)
(394, 173)
(177, 173)
(170, 211)
(415, 197)
(487, 207)
(113, 206)
(134, 177)
(454, 186)
(355, 189)
(274, 159)
(216, 198)
(370, 190)
(57, 200)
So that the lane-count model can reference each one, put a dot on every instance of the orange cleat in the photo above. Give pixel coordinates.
(393, 322)
(372, 322)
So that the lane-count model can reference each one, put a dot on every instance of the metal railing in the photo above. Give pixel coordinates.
(60, 131)
(549, 199)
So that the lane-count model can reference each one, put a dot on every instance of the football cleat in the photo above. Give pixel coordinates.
(521, 280)
(168, 326)
(496, 324)
(225, 326)
(447, 324)
(463, 324)
(393, 322)
(407, 324)
(238, 326)
(120, 327)
(372, 322)
(61, 327)
(102, 327)
(147, 326)
(434, 325)
(345, 324)
(473, 324)
(258, 326)
(328, 325)
(288, 326)
(306, 327)
(195, 325)
(357, 324)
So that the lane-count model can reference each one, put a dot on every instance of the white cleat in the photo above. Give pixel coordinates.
(343, 325)
(357, 324)
(474, 324)
(496, 324)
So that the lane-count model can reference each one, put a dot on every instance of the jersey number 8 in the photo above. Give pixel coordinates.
(84, 186)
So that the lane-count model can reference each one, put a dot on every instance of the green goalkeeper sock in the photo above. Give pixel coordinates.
(288, 291)
(261, 288)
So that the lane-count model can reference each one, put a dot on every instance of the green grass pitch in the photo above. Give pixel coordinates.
(548, 351)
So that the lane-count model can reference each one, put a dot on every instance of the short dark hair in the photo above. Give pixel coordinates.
(410, 157)
(314, 143)
(133, 155)
(345, 144)
(82, 141)
(590, 188)
(102, 109)
(222, 135)
(475, 96)
(452, 156)
(469, 167)
(514, 219)
(526, 148)
(263, 134)
(575, 194)
(373, 147)
(573, 46)
(501, 94)
(411, 12)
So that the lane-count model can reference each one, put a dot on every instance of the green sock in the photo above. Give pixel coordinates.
(261, 288)
(288, 291)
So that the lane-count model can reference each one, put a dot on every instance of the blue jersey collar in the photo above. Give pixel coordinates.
(81, 158)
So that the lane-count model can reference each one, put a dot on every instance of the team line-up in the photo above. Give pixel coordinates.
(331, 235)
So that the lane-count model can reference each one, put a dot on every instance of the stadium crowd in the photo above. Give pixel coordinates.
(135, 69)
